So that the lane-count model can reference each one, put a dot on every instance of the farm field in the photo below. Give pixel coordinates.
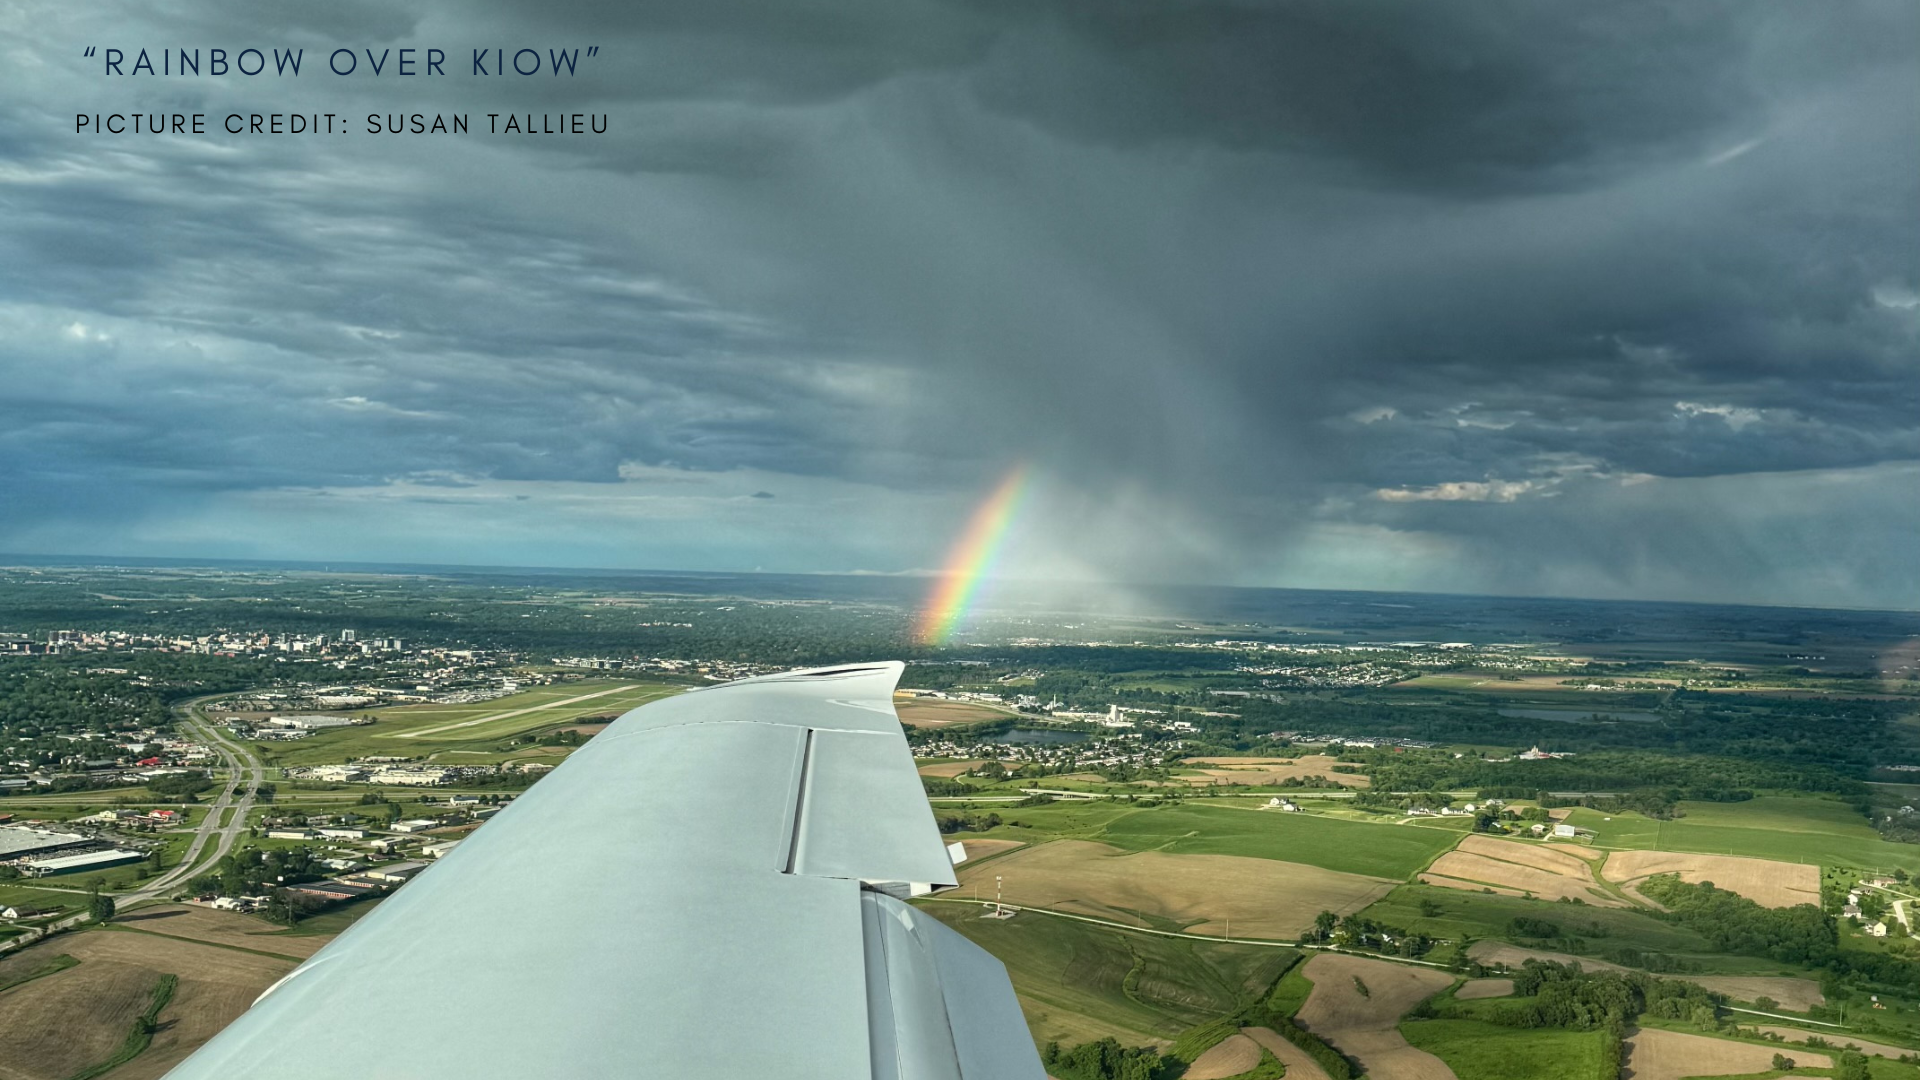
(936, 713)
(1785, 828)
(1078, 982)
(1766, 882)
(228, 928)
(1476, 1050)
(1267, 772)
(1386, 851)
(1538, 869)
(1655, 1054)
(56, 1026)
(1259, 898)
(1230, 1056)
(1357, 1004)
(1300, 1065)
(421, 730)
(1478, 989)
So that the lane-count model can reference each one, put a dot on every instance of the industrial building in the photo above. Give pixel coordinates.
(74, 864)
(19, 841)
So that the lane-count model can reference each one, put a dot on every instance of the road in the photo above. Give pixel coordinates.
(245, 773)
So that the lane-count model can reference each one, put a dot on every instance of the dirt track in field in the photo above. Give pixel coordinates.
(1764, 881)
(1653, 1054)
(1264, 898)
(1365, 1026)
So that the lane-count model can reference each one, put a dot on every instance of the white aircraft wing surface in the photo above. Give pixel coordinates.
(712, 887)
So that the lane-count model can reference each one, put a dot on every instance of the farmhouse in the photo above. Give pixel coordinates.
(20, 911)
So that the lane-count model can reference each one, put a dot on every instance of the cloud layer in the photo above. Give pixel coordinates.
(1484, 297)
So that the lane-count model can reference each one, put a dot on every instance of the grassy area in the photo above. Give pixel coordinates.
(58, 963)
(1388, 851)
(1480, 1051)
(422, 730)
(1291, 991)
(1079, 982)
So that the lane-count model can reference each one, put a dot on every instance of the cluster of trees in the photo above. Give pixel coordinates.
(1802, 934)
(953, 823)
(1567, 996)
(1107, 1060)
(1359, 932)
(250, 871)
(180, 787)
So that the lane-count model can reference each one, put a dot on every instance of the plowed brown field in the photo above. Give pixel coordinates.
(1365, 1026)
(1271, 772)
(59, 1025)
(1546, 873)
(1765, 882)
(1229, 1057)
(1264, 898)
(1653, 1054)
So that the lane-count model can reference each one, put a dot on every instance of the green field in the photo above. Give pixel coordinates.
(457, 730)
(1791, 829)
(1387, 851)
(1480, 1051)
(1079, 982)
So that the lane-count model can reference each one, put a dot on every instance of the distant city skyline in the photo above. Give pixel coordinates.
(1497, 299)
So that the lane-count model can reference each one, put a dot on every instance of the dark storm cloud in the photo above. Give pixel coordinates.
(1486, 295)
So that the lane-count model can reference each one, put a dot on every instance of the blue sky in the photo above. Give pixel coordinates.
(1489, 297)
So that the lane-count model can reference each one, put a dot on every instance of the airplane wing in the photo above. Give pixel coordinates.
(712, 887)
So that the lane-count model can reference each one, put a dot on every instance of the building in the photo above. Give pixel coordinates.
(289, 834)
(1563, 830)
(21, 911)
(19, 841)
(309, 723)
(417, 825)
(435, 851)
(343, 834)
(74, 864)
(395, 873)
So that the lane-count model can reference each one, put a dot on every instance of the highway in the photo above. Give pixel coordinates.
(245, 774)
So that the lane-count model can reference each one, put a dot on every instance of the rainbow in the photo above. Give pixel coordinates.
(971, 559)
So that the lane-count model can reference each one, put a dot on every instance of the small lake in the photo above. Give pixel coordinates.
(1040, 737)
(1581, 716)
